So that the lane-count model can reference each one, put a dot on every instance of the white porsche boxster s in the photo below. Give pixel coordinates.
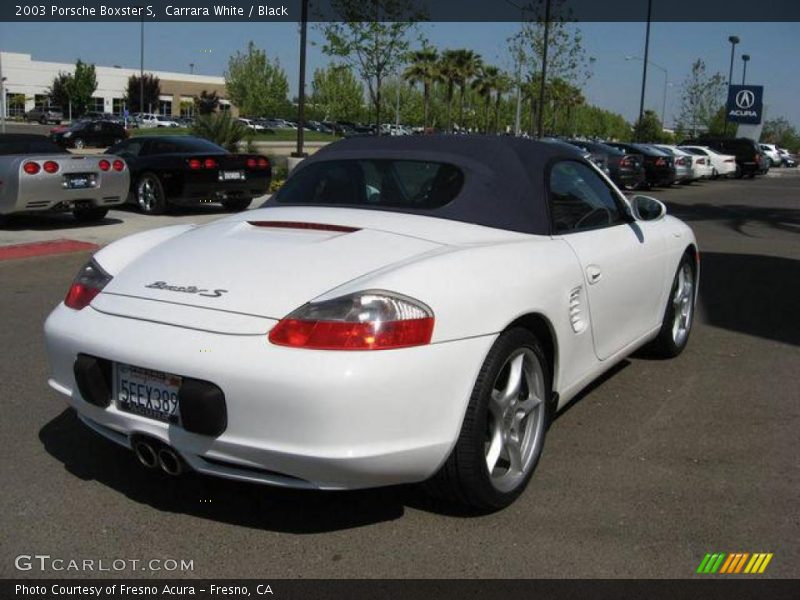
(404, 309)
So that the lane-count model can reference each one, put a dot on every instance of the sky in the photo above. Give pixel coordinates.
(774, 49)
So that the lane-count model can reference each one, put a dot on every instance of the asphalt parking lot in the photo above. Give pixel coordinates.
(655, 465)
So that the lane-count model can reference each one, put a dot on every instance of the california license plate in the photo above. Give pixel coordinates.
(231, 175)
(78, 182)
(146, 392)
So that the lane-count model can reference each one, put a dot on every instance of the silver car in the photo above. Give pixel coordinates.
(38, 176)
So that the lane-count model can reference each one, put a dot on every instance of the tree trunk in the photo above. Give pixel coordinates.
(461, 106)
(426, 100)
(449, 107)
(497, 112)
(378, 104)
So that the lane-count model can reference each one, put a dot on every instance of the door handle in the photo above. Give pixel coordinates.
(594, 274)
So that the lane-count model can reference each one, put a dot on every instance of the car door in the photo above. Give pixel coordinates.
(623, 260)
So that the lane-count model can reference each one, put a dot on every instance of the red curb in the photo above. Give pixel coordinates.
(44, 248)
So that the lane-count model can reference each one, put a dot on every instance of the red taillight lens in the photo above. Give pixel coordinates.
(701, 161)
(660, 162)
(730, 160)
(50, 166)
(364, 321)
(118, 165)
(263, 163)
(626, 162)
(210, 163)
(31, 168)
(195, 163)
(337, 335)
(90, 281)
(251, 163)
(104, 165)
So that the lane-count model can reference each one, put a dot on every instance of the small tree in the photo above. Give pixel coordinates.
(336, 93)
(222, 129)
(701, 98)
(81, 87)
(152, 90)
(255, 84)
(58, 92)
(648, 128)
(206, 103)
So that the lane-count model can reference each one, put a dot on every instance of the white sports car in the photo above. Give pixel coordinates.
(404, 309)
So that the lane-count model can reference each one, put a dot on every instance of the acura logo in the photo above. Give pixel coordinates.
(745, 99)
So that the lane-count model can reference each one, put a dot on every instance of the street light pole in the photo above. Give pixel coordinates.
(745, 58)
(2, 99)
(733, 40)
(645, 61)
(141, 66)
(544, 67)
(666, 84)
(301, 88)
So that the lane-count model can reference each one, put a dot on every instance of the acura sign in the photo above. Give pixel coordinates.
(745, 104)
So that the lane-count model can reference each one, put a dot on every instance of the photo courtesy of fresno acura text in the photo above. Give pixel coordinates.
(399, 298)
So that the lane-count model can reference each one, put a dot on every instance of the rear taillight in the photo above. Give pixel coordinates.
(251, 163)
(210, 163)
(195, 163)
(680, 160)
(104, 164)
(89, 282)
(262, 162)
(660, 162)
(118, 165)
(701, 161)
(50, 166)
(626, 162)
(31, 168)
(730, 160)
(373, 320)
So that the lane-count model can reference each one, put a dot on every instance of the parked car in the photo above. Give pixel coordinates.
(319, 127)
(333, 314)
(722, 165)
(698, 167)
(45, 114)
(39, 176)
(749, 161)
(90, 133)
(183, 170)
(165, 121)
(771, 150)
(625, 170)
(659, 167)
(251, 124)
(787, 158)
(146, 120)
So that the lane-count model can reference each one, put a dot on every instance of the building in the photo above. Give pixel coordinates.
(27, 81)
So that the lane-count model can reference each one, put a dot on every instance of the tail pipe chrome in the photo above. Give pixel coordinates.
(170, 462)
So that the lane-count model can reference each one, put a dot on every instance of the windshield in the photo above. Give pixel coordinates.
(375, 183)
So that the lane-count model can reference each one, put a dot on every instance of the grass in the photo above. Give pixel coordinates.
(280, 135)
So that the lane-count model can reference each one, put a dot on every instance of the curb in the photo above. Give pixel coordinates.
(29, 250)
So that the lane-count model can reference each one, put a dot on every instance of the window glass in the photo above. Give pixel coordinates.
(378, 182)
(128, 148)
(580, 200)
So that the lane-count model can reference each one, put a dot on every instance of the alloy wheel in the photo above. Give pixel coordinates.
(683, 305)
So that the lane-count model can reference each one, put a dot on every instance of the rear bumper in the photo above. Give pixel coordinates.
(196, 193)
(48, 194)
(298, 418)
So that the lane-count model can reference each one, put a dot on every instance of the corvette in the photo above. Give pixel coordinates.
(404, 309)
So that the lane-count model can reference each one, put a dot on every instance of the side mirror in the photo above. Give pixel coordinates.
(646, 208)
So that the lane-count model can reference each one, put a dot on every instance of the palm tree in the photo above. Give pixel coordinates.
(450, 73)
(485, 83)
(468, 64)
(424, 69)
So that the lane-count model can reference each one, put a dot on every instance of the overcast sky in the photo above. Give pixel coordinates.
(774, 49)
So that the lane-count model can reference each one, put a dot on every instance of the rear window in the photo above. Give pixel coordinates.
(188, 144)
(374, 182)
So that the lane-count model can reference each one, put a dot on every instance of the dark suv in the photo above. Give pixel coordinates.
(749, 159)
(90, 133)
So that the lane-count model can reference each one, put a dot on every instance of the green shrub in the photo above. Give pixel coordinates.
(224, 130)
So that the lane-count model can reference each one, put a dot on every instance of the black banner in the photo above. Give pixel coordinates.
(398, 10)
(311, 589)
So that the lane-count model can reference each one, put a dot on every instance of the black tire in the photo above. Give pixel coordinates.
(236, 204)
(90, 215)
(150, 205)
(665, 345)
(464, 479)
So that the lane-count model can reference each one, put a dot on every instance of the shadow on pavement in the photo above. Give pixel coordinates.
(737, 216)
(49, 222)
(752, 294)
(92, 458)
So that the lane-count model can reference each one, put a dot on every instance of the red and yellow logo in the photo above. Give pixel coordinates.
(735, 563)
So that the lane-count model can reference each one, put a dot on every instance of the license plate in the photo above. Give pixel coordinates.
(78, 182)
(231, 175)
(146, 392)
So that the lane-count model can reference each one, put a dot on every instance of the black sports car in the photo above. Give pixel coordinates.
(626, 170)
(659, 167)
(182, 170)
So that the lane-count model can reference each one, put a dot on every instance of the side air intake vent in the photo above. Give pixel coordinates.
(576, 318)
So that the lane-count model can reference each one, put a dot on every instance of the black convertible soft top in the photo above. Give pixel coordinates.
(504, 177)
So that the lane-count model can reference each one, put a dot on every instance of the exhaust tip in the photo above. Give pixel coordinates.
(170, 462)
(146, 454)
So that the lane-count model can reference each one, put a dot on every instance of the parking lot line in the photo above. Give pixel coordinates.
(61, 246)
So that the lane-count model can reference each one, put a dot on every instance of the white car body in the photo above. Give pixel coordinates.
(147, 120)
(771, 150)
(347, 419)
(251, 124)
(723, 165)
(700, 167)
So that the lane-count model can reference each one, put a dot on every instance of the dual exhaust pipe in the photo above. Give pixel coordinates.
(153, 454)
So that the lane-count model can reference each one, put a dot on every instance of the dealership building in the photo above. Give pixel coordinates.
(26, 82)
